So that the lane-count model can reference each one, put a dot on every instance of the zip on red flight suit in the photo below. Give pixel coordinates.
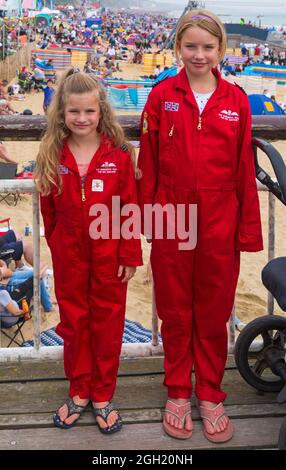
(208, 163)
(91, 297)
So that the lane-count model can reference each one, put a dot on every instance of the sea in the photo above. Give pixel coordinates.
(260, 13)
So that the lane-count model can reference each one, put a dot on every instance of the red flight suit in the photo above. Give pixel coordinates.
(205, 160)
(91, 297)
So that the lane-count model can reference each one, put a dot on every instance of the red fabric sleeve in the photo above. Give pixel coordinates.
(249, 236)
(48, 213)
(130, 253)
(148, 155)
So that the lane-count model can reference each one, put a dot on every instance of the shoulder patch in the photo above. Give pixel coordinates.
(124, 147)
(240, 87)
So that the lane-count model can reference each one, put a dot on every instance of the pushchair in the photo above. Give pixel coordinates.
(260, 350)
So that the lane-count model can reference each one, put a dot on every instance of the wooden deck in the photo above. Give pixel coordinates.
(30, 392)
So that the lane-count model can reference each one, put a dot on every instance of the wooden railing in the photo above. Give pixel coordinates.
(32, 127)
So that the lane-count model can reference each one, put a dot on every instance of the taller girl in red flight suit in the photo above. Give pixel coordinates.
(84, 161)
(196, 149)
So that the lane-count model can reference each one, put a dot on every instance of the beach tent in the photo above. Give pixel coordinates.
(93, 22)
(261, 104)
(43, 19)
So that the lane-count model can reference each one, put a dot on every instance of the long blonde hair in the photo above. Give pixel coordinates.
(203, 19)
(46, 173)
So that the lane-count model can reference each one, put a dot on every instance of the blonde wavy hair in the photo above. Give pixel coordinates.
(203, 19)
(46, 173)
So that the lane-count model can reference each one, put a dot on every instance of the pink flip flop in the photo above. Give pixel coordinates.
(212, 415)
(180, 412)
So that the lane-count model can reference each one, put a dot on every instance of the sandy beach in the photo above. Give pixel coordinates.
(251, 298)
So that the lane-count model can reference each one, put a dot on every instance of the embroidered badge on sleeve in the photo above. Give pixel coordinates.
(145, 123)
(63, 170)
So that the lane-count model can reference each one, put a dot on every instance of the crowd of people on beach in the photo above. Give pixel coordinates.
(253, 54)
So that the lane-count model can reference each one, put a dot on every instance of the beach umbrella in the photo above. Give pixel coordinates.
(261, 104)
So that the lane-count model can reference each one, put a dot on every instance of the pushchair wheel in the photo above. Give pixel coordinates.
(260, 350)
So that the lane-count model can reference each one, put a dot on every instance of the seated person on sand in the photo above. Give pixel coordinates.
(4, 154)
(105, 73)
(9, 241)
(5, 106)
(14, 279)
(38, 76)
(9, 309)
(24, 79)
(87, 67)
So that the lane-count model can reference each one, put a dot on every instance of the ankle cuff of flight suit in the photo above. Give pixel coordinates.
(179, 392)
(203, 392)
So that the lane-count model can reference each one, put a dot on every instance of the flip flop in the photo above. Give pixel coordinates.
(104, 413)
(73, 408)
(212, 415)
(180, 412)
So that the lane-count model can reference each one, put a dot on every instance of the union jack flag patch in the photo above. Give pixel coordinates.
(63, 170)
(170, 106)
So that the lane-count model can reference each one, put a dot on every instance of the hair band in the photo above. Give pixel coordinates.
(206, 17)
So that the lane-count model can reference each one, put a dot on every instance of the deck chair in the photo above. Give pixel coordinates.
(13, 331)
(8, 171)
(18, 293)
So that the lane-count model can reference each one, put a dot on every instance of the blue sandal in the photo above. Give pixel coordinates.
(104, 413)
(73, 408)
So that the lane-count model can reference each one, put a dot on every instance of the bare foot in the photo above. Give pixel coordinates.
(176, 422)
(111, 419)
(63, 411)
(222, 422)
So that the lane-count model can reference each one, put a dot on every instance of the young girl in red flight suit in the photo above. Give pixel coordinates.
(83, 161)
(196, 149)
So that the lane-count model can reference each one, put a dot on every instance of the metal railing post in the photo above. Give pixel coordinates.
(271, 244)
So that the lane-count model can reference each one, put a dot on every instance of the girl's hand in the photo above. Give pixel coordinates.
(138, 174)
(129, 272)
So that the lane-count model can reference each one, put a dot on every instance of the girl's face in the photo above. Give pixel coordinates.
(199, 51)
(82, 113)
